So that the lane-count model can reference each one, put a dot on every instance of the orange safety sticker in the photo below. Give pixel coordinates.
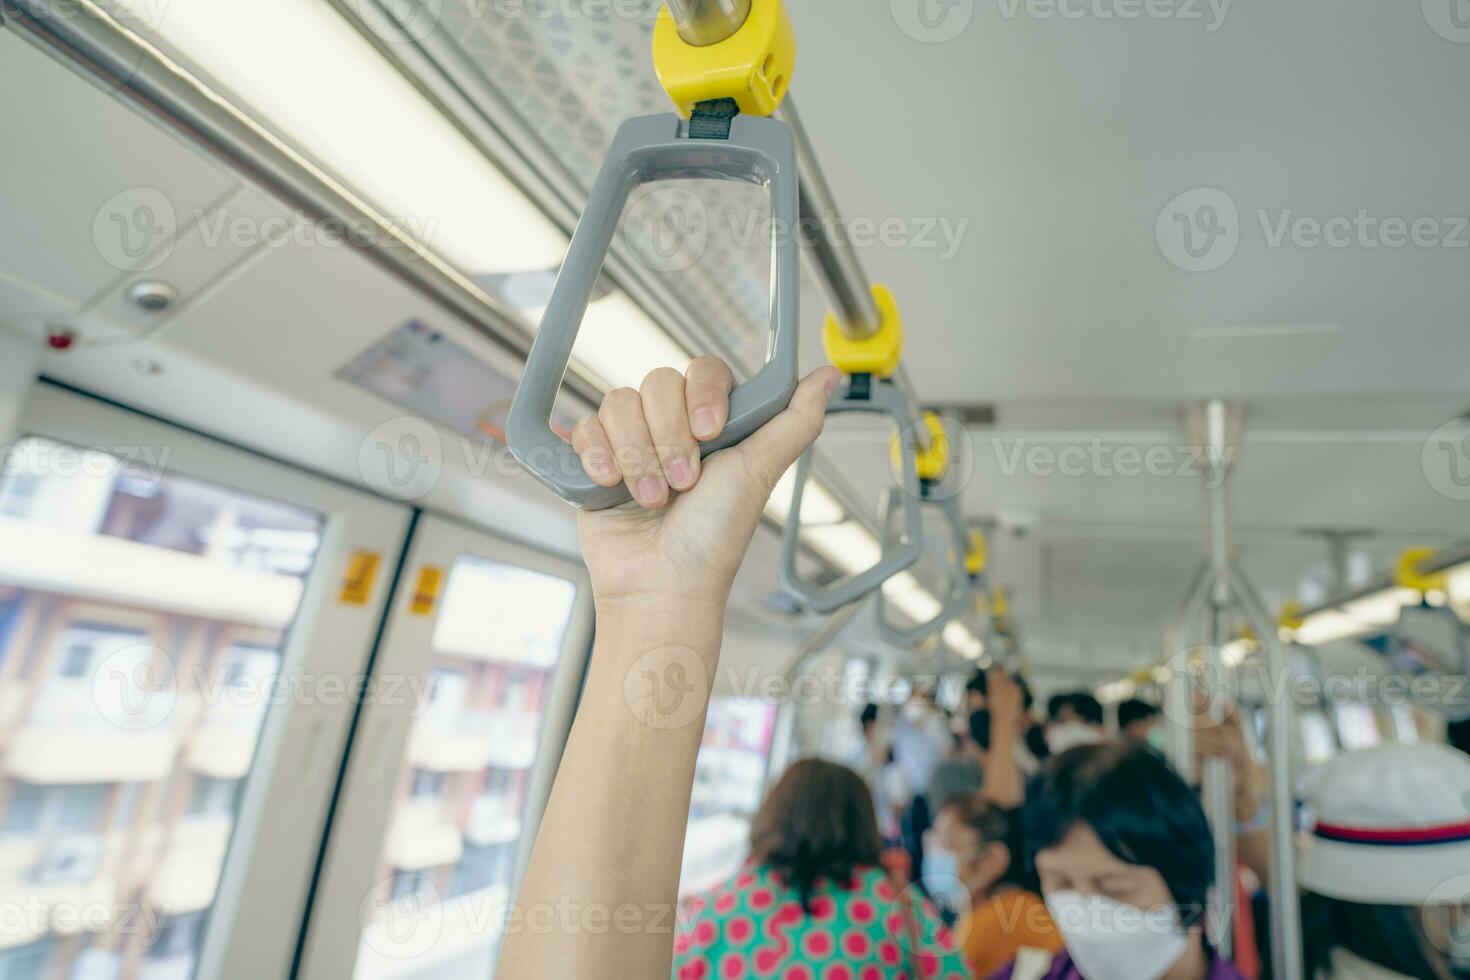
(426, 593)
(362, 573)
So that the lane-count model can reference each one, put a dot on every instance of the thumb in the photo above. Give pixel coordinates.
(777, 444)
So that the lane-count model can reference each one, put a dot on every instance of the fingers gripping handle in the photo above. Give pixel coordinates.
(648, 149)
(961, 587)
(899, 552)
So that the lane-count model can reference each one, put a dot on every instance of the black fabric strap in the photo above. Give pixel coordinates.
(712, 120)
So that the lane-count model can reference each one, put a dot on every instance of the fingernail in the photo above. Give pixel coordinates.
(681, 474)
(601, 464)
(703, 423)
(832, 380)
(648, 490)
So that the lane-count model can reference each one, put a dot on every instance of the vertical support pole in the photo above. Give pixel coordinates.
(1217, 781)
(1286, 925)
(1177, 707)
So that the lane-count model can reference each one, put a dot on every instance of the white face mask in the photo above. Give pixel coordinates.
(1070, 734)
(1112, 941)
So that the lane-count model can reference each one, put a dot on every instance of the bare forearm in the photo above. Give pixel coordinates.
(611, 842)
(1002, 785)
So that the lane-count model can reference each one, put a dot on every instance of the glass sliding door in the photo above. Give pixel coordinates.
(445, 784)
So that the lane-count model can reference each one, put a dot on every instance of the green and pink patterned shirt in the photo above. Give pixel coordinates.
(753, 926)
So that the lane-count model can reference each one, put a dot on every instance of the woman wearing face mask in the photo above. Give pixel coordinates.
(1387, 876)
(1125, 859)
(981, 843)
(1077, 719)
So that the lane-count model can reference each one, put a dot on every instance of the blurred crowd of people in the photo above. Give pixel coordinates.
(987, 842)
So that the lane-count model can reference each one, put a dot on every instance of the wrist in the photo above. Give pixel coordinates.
(641, 621)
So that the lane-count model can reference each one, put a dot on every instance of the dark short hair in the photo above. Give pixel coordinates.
(1055, 703)
(1138, 806)
(869, 716)
(1135, 710)
(817, 824)
(994, 825)
(980, 684)
(1089, 708)
(1390, 936)
(979, 724)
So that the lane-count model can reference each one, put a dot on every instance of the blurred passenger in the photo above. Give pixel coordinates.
(1139, 721)
(872, 750)
(921, 741)
(885, 779)
(813, 900)
(1001, 784)
(1126, 860)
(1458, 735)
(1076, 719)
(981, 843)
(1031, 748)
(960, 772)
(1059, 709)
(1387, 875)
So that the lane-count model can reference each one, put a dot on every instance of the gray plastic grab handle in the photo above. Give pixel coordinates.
(961, 587)
(647, 149)
(900, 551)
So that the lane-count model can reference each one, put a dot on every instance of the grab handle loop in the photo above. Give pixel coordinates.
(960, 594)
(860, 393)
(647, 149)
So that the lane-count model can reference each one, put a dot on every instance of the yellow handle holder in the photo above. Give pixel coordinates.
(1290, 620)
(975, 558)
(878, 355)
(753, 66)
(932, 461)
(1000, 610)
(1408, 572)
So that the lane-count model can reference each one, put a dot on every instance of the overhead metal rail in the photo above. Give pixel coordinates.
(727, 65)
(1218, 593)
(1442, 561)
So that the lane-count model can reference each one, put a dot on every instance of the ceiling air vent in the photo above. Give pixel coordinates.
(971, 414)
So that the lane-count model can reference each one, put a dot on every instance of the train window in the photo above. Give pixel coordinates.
(146, 614)
(1357, 726)
(120, 578)
(729, 781)
(476, 676)
(1319, 743)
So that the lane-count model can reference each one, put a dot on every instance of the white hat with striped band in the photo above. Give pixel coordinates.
(1392, 826)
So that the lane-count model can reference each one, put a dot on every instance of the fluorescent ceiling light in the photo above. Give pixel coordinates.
(1234, 653)
(1117, 691)
(849, 545)
(817, 505)
(962, 641)
(1370, 614)
(917, 602)
(322, 87)
(1459, 584)
(620, 343)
